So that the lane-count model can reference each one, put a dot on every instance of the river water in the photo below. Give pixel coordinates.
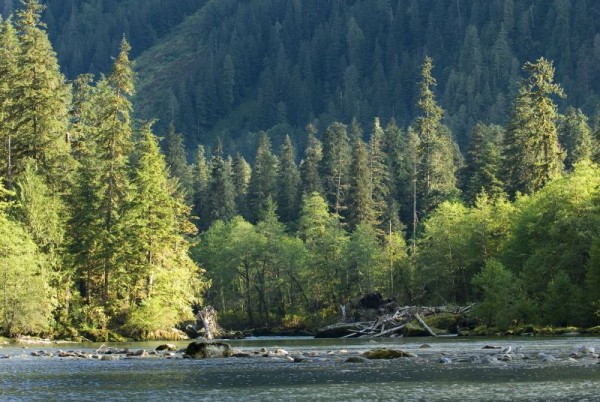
(323, 376)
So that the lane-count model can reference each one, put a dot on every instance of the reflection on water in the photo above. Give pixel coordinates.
(27, 378)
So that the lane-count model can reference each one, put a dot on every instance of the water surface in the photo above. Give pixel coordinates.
(322, 377)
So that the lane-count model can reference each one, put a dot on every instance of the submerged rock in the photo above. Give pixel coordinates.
(356, 359)
(205, 350)
(384, 353)
(167, 346)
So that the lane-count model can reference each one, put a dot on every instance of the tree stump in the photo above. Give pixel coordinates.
(207, 319)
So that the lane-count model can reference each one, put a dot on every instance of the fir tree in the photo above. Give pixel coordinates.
(379, 173)
(482, 169)
(263, 182)
(40, 100)
(220, 195)
(288, 189)
(201, 178)
(156, 221)
(177, 162)
(435, 171)
(9, 51)
(360, 202)
(309, 167)
(114, 147)
(532, 154)
(335, 165)
(241, 179)
(575, 136)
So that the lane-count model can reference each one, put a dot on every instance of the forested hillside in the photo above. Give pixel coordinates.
(234, 67)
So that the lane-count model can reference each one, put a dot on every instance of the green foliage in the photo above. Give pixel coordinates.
(501, 295)
(532, 153)
(25, 298)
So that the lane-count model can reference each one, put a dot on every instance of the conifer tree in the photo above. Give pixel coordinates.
(114, 146)
(263, 182)
(288, 191)
(241, 179)
(575, 136)
(40, 100)
(482, 169)
(9, 51)
(435, 171)
(335, 165)
(360, 202)
(532, 154)
(309, 167)
(201, 179)
(220, 194)
(156, 221)
(379, 172)
(177, 162)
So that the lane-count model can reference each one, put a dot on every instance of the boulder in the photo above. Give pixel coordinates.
(167, 346)
(205, 350)
(384, 353)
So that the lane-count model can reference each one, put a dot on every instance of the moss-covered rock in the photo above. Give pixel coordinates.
(206, 350)
(444, 322)
(384, 353)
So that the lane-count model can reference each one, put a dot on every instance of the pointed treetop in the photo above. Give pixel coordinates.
(31, 14)
(122, 75)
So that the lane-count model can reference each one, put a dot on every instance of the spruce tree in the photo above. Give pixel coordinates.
(482, 170)
(360, 202)
(436, 169)
(114, 146)
(575, 136)
(309, 167)
(379, 172)
(335, 165)
(9, 51)
(40, 106)
(532, 154)
(156, 221)
(201, 172)
(177, 162)
(288, 189)
(220, 194)
(241, 179)
(263, 182)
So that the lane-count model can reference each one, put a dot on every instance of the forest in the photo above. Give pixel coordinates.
(109, 232)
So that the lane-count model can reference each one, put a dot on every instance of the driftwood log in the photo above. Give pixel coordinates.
(395, 323)
(207, 319)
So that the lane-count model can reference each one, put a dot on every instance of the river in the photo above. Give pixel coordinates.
(325, 375)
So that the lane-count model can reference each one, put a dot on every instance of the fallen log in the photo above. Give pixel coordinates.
(418, 317)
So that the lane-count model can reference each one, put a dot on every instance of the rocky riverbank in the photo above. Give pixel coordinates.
(522, 355)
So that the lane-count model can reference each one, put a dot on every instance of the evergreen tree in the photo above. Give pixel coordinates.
(482, 169)
(379, 173)
(40, 100)
(201, 179)
(113, 148)
(288, 191)
(220, 194)
(177, 162)
(241, 179)
(263, 182)
(335, 165)
(309, 167)
(156, 221)
(361, 209)
(25, 300)
(435, 170)
(532, 153)
(575, 136)
(9, 51)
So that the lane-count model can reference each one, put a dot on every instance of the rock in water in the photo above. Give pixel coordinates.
(384, 353)
(205, 350)
(167, 346)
